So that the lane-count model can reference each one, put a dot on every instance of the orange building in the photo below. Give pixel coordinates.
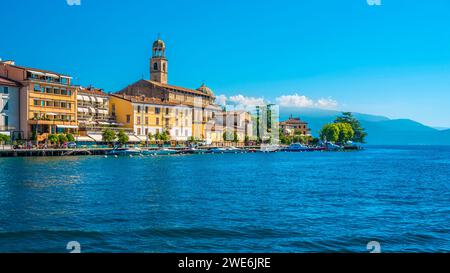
(48, 101)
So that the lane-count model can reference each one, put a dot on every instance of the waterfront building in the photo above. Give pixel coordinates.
(295, 126)
(235, 122)
(48, 101)
(144, 116)
(9, 107)
(93, 108)
(200, 101)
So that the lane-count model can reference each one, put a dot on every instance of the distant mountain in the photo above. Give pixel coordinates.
(381, 130)
(441, 128)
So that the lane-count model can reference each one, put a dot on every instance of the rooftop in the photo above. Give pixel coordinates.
(10, 63)
(8, 82)
(143, 99)
(169, 86)
(92, 91)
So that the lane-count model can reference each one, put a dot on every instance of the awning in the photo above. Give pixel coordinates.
(86, 98)
(51, 75)
(79, 97)
(96, 137)
(67, 126)
(101, 111)
(84, 139)
(84, 110)
(133, 138)
(36, 72)
(100, 100)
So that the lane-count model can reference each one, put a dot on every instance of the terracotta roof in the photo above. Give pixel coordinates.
(36, 69)
(293, 121)
(168, 86)
(92, 91)
(8, 82)
(143, 99)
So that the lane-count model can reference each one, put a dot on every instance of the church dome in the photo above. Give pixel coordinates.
(159, 44)
(206, 90)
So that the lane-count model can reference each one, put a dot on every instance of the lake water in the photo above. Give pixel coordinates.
(280, 202)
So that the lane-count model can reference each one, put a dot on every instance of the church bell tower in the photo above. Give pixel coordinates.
(158, 62)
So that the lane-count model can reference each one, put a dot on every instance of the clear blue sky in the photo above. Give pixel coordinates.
(392, 59)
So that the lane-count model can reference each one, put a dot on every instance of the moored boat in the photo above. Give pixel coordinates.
(297, 147)
(125, 151)
(164, 151)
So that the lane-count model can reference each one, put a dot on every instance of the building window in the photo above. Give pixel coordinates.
(139, 109)
(157, 121)
(155, 66)
(167, 111)
(139, 131)
(146, 109)
(138, 120)
(5, 90)
(128, 118)
(146, 120)
(6, 121)
(37, 87)
(157, 110)
(6, 106)
(146, 131)
(164, 67)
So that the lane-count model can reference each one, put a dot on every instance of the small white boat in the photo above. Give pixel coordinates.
(227, 150)
(269, 148)
(332, 147)
(125, 151)
(164, 151)
(297, 147)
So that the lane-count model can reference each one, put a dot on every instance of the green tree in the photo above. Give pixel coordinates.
(62, 138)
(53, 138)
(4, 139)
(70, 138)
(227, 136)
(235, 137)
(165, 136)
(122, 137)
(359, 132)
(158, 136)
(346, 132)
(329, 132)
(108, 135)
(151, 136)
(246, 140)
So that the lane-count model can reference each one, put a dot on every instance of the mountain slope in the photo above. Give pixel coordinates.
(381, 130)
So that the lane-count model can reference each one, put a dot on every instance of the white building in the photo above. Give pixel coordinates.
(9, 106)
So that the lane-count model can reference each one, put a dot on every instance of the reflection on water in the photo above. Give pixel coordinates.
(293, 202)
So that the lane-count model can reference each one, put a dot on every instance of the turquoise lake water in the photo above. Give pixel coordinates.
(280, 202)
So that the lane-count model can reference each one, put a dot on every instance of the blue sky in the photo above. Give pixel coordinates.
(392, 59)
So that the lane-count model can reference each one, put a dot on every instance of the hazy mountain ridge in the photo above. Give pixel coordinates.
(381, 130)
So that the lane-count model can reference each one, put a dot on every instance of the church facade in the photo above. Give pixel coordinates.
(200, 101)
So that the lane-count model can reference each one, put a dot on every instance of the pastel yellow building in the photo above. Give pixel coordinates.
(151, 116)
(48, 101)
